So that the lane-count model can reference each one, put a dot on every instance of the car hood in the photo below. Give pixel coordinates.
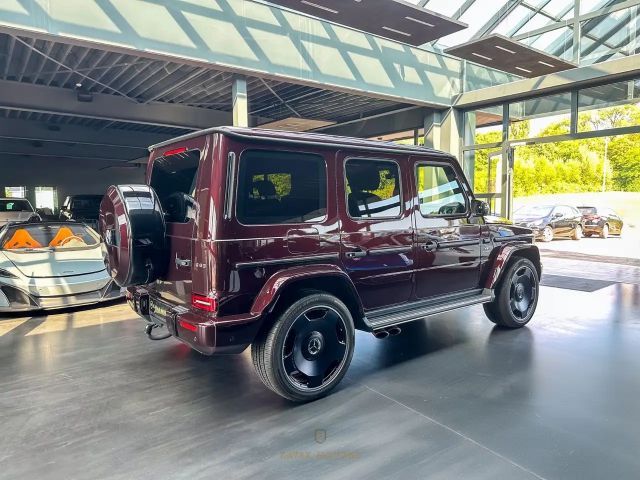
(60, 263)
(6, 217)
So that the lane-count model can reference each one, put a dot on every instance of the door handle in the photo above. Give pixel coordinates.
(182, 262)
(357, 253)
(430, 246)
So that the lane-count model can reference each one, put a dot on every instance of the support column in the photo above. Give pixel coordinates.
(240, 102)
(443, 131)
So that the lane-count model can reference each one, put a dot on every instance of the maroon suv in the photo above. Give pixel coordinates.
(288, 242)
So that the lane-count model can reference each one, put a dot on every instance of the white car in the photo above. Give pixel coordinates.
(49, 265)
(16, 210)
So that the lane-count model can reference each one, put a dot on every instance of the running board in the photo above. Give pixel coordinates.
(386, 318)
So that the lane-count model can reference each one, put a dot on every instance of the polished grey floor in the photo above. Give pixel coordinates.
(83, 394)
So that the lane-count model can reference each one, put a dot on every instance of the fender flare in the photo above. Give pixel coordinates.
(276, 284)
(501, 259)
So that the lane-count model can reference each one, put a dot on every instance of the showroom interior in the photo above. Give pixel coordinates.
(539, 102)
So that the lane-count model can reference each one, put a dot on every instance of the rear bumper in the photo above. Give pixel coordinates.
(592, 228)
(201, 331)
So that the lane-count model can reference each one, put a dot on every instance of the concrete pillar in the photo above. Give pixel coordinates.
(443, 131)
(240, 102)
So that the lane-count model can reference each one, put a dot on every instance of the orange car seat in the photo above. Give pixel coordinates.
(61, 236)
(21, 239)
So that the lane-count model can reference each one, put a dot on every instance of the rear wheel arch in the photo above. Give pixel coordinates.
(336, 284)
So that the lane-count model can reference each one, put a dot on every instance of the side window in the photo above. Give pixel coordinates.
(174, 180)
(373, 188)
(439, 192)
(281, 187)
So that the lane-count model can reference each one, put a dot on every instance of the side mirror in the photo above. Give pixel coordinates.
(557, 215)
(478, 207)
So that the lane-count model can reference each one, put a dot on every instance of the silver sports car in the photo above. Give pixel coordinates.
(52, 265)
(16, 210)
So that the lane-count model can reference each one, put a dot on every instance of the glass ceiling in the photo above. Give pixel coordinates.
(606, 29)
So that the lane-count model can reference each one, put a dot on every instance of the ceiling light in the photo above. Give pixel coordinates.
(78, 85)
(505, 50)
(389, 29)
(321, 7)
(523, 69)
(420, 22)
(482, 56)
(545, 64)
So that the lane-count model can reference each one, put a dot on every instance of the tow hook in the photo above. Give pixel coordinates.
(149, 331)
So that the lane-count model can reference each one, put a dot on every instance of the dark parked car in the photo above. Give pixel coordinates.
(551, 221)
(288, 242)
(81, 208)
(601, 221)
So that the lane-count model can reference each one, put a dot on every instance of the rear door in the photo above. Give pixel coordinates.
(173, 174)
(376, 234)
(447, 247)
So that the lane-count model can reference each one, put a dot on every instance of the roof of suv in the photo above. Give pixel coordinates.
(306, 138)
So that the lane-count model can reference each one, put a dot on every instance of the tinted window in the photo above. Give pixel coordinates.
(587, 210)
(373, 189)
(439, 192)
(86, 203)
(174, 180)
(15, 206)
(281, 187)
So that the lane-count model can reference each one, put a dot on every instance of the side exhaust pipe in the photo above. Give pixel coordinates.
(393, 331)
(380, 334)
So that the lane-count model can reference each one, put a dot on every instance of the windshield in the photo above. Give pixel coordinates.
(11, 205)
(588, 210)
(534, 211)
(48, 236)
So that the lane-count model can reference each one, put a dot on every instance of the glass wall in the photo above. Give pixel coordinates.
(602, 155)
(609, 106)
(540, 117)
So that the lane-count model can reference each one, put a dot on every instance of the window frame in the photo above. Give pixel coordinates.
(429, 163)
(236, 186)
(346, 195)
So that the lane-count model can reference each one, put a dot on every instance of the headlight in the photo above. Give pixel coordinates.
(4, 273)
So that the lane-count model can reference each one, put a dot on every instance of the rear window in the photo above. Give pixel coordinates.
(588, 210)
(281, 187)
(15, 206)
(86, 203)
(46, 236)
(174, 180)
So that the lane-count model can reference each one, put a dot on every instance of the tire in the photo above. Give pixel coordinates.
(605, 231)
(577, 233)
(547, 234)
(314, 332)
(508, 309)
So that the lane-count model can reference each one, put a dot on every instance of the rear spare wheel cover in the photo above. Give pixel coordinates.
(132, 227)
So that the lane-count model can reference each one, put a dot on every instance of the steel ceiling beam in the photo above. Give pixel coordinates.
(32, 131)
(61, 101)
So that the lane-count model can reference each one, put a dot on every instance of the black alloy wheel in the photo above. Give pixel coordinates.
(308, 348)
(315, 347)
(523, 291)
(516, 295)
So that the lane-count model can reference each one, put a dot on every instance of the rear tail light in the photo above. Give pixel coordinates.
(202, 302)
